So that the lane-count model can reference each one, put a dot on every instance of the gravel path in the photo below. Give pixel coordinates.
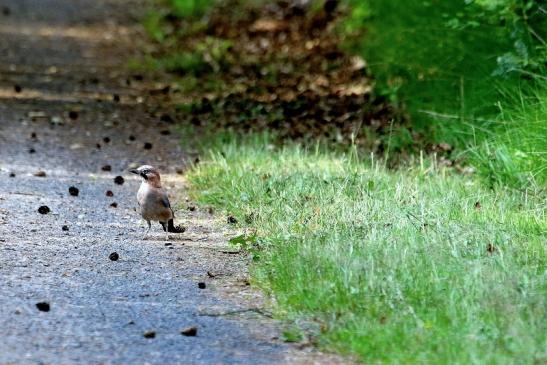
(70, 111)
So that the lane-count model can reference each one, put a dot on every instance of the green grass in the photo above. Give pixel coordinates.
(416, 266)
(515, 151)
(190, 8)
(466, 72)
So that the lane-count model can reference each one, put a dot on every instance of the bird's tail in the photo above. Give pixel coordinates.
(170, 227)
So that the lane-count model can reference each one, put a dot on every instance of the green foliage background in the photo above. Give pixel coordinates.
(469, 72)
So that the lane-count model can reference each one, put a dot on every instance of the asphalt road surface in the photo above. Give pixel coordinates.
(71, 115)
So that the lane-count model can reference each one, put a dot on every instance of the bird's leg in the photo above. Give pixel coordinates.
(166, 229)
(148, 230)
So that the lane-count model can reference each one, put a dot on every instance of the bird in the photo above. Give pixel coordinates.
(153, 201)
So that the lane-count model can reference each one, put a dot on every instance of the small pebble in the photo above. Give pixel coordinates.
(109, 193)
(166, 118)
(65, 228)
(189, 331)
(114, 256)
(114, 205)
(116, 98)
(106, 168)
(119, 180)
(191, 208)
(73, 191)
(106, 139)
(44, 209)
(149, 334)
(165, 132)
(232, 219)
(98, 145)
(147, 146)
(132, 137)
(31, 150)
(73, 114)
(12, 174)
(17, 88)
(43, 306)
(202, 285)
(33, 135)
(40, 173)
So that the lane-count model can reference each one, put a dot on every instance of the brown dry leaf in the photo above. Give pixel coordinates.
(354, 89)
(357, 63)
(268, 25)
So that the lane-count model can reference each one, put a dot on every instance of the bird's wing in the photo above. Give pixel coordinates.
(165, 202)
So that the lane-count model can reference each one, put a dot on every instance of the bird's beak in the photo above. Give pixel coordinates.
(134, 171)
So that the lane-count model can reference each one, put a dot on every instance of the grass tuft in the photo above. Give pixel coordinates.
(411, 266)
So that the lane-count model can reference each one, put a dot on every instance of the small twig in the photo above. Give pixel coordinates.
(21, 193)
(231, 252)
(239, 311)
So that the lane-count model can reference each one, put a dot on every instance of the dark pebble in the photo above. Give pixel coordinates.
(40, 173)
(202, 285)
(106, 139)
(149, 334)
(119, 180)
(232, 219)
(168, 244)
(17, 88)
(98, 145)
(73, 191)
(73, 114)
(147, 146)
(12, 174)
(6, 11)
(191, 208)
(33, 135)
(44, 209)
(114, 205)
(43, 306)
(65, 228)
(109, 193)
(116, 98)
(132, 138)
(31, 150)
(106, 168)
(114, 256)
(165, 132)
(189, 331)
(166, 118)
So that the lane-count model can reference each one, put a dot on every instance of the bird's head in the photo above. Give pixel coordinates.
(148, 174)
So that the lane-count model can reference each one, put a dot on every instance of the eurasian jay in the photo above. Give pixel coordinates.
(153, 201)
